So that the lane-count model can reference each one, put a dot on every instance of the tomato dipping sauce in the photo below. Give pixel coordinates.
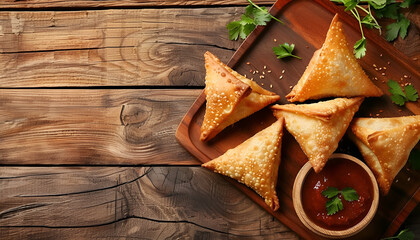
(339, 173)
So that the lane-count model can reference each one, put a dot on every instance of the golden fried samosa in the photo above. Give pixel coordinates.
(318, 127)
(333, 72)
(255, 162)
(385, 144)
(230, 97)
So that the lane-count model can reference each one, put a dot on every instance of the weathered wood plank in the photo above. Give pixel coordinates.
(121, 202)
(93, 126)
(112, 47)
(7, 4)
(123, 47)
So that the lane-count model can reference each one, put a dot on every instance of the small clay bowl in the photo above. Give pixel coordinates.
(297, 202)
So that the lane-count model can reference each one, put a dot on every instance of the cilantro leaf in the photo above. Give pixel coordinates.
(392, 31)
(414, 159)
(240, 28)
(349, 194)
(400, 26)
(234, 30)
(389, 11)
(249, 10)
(378, 4)
(359, 48)
(405, 235)
(404, 24)
(330, 192)
(369, 22)
(398, 99)
(253, 17)
(261, 17)
(284, 50)
(349, 4)
(394, 88)
(411, 93)
(334, 205)
(398, 96)
(407, 3)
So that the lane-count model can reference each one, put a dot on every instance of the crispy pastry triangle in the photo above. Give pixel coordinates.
(255, 162)
(230, 97)
(318, 127)
(385, 144)
(333, 71)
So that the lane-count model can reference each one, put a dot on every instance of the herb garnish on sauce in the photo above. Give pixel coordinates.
(335, 204)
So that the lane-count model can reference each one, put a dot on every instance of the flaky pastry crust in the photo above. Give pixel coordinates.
(385, 144)
(318, 127)
(255, 162)
(230, 97)
(333, 71)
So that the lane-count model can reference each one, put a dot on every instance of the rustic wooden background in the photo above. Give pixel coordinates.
(91, 93)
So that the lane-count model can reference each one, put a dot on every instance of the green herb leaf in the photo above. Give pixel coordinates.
(404, 24)
(349, 194)
(389, 11)
(240, 28)
(349, 4)
(254, 16)
(406, 234)
(392, 31)
(411, 93)
(398, 99)
(258, 16)
(414, 159)
(394, 88)
(284, 50)
(407, 3)
(249, 11)
(369, 22)
(399, 26)
(330, 192)
(398, 96)
(261, 17)
(234, 30)
(378, 4)
(359, 48)
(334, 205)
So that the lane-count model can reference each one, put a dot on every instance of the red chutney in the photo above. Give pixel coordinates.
(339, 173)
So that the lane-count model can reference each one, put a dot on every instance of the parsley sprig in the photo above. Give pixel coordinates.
(392, 11)
(359, 48)
(381, 8)
(335, 204)
(284, 50)
(405, 234)
(254, 16)
(399, 96)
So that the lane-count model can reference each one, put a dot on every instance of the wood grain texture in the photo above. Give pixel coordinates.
(153, 47)
(128, 203)
(121, 47)
(91, 126)
(7, 4)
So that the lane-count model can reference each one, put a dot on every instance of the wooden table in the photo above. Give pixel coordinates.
(91, 94)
